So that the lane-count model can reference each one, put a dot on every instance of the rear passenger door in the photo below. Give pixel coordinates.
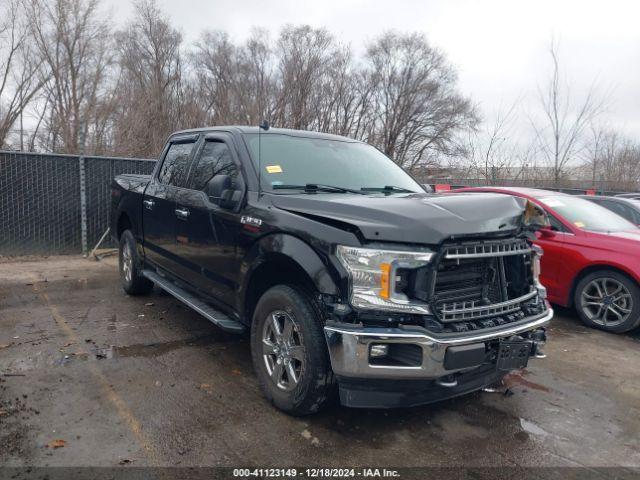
(159, 202)
(206, 233)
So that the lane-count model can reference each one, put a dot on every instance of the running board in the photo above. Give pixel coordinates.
(216, 317)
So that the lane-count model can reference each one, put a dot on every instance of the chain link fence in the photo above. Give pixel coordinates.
(55, 204)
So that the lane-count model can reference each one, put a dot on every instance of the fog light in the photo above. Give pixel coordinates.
(378, 351)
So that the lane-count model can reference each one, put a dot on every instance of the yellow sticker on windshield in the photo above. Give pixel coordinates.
(579, 224)
(274, 169)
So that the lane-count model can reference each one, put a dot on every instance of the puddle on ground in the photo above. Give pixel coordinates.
(462, 421)
(111, 326)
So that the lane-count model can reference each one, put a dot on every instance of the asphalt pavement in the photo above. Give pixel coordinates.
(92, 377)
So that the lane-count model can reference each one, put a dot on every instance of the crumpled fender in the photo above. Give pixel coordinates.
(271, 246)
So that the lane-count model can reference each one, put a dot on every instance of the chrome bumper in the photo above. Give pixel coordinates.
(349, 349)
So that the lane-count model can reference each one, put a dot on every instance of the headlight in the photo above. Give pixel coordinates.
(373, 275)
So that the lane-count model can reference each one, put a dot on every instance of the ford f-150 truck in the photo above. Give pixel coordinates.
(350, 278)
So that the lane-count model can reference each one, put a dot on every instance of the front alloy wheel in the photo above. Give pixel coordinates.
(608, 300)
(289, 351)
(282, 350)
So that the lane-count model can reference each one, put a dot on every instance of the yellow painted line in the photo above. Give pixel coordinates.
(121, 407)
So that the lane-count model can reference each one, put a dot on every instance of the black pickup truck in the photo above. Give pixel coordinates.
(351, 279)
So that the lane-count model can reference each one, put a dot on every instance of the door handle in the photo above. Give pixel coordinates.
(182, 213)
(149, 204)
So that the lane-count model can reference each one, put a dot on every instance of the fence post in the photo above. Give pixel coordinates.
(83, 195)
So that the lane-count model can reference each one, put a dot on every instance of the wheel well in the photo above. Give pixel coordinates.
(590, 269)
(280, 270)
(124, 223)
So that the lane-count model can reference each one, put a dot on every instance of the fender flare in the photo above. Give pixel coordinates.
(275, 245)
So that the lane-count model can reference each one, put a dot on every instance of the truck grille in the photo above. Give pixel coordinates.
(481, 280)
(452, 312)
(488, 249)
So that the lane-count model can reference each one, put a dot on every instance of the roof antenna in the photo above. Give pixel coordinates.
(264, 125)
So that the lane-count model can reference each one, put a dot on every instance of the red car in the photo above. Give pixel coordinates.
(591, 258)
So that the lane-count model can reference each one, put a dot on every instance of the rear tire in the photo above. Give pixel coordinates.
(130, 266)
(290, 353)
(608, 300)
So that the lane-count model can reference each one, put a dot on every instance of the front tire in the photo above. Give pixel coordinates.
(130, 266)
(609, 301)
(289, 352)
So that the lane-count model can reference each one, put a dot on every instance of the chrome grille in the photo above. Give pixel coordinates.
(472, 310)
(482, 280)
(488, 249)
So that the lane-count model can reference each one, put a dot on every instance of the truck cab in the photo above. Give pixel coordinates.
(348, 276)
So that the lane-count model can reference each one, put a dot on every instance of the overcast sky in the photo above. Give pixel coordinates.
(499, 47)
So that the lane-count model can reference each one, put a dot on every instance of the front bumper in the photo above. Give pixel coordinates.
(433, 376)
(350, 347)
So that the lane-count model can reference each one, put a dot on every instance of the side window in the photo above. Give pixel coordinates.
(215, 159)
(175, 163)
(618, 208)
(624, 212)
(556, 225)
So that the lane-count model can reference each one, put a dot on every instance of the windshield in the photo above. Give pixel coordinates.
(297, 161)
(587, 215)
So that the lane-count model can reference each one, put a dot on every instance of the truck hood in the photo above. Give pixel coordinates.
(412, 218)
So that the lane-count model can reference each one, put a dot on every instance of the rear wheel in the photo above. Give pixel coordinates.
(289, 351)
(131, 267)
(609, 301)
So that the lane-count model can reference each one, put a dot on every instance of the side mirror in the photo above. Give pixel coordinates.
(547, 232)
(221, 192)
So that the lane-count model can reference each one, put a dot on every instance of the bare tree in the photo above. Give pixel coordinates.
(73, 38)
(594, 149)
(304, 53)
(151, 82)
(492, 153)
(258, 78)
(307, 81)
(402, 96)
(235, 83)
(560, 134)
(627, 167)
(418, 110)
(20, 81)
(216, 61)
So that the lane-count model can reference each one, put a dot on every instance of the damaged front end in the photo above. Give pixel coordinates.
(426, 324)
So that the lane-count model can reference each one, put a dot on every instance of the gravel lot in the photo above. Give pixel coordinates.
(92, 377)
